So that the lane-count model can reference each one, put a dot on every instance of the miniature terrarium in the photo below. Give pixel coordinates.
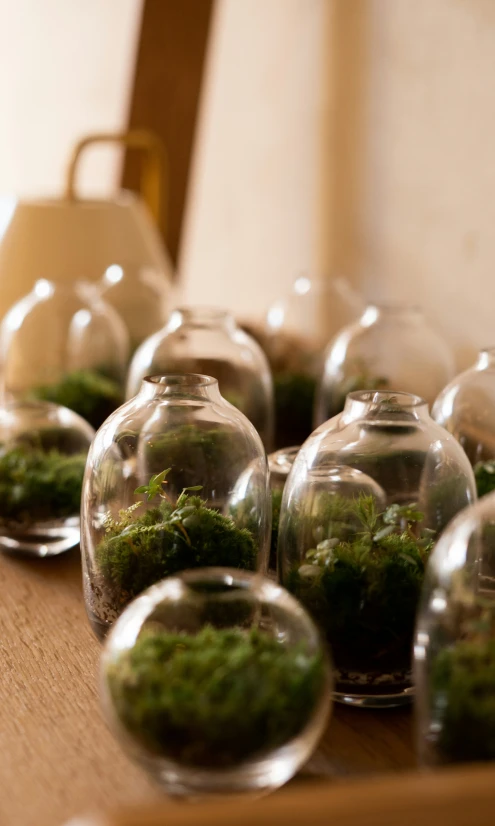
(206, 340)
(279, 466)
(466, 408)
(296, 331)
(177, 478)
(43, 451)
(63, 344)
(455, 643)
(367, 496)
(217, 682)
(389, 348)
(140, 295)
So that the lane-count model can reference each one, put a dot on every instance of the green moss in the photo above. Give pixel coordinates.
(362, 583)
(484, 473)
(217, 698)
(89, 393)
(276, 504)
(137, 552)
(463, 695)
(38, 485)
(294, 401)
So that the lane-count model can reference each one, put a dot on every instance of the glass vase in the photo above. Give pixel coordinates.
(466, 408)
(177, 478)
(207, 340)
(216, 682)
(368, 494)
(63, 344)
(43, 449)
(389, 348)
(455, 643)
(279, 465)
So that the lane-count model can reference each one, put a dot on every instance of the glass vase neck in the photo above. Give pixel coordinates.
(486, 359)
(402, 313)
(205, 317)
(383, 406)
(181, 386)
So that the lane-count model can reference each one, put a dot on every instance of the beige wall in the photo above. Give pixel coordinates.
(352, 133)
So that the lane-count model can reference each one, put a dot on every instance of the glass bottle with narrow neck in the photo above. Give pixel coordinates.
(207, 340)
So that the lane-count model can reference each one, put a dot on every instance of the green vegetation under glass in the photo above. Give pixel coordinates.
(484, 473)
(362, 584)
(276, 504)
(90, 393)
(168, 538)
(38, 485)
(217, 698)
(294, 394)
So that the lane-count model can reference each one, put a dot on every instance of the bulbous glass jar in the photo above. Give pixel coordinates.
(389, 348)
(207, 340)
(43, 449)
(368, 494)
(140, 295)
(63, 344)
(177, 478)
(279, 465)
(455, 643)
(466, 408)
(216, 682)
(296, 331)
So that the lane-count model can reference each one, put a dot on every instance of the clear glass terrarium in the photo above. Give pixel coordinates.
(368, 494)
(140, 295)
(297, 329)
(63, 344)
(455, 643)
(279, 465)
(216, 682)
(466, 408)
(177, 478)
(207, 340)
(43, 449)
(389, 348)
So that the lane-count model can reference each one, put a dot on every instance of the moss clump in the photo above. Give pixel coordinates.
(137, 552)
(484, 473)
(276, 504)
(38, 485)
(463, 691)
(294, 400)
(89, 393)
(362, 586)
(217, 698)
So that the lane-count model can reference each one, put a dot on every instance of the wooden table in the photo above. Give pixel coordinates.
(57, 758)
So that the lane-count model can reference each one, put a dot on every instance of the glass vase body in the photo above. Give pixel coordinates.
(296, 331)
(455, 643)
(211, 508)
(64, 344)
(43, 449)
(368, 494)
(205, 340)
(279, 465)
(235, 644)
(466, 408)
(140, 295)
(390, 348)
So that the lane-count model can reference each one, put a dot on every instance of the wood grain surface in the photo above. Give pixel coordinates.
(57, 759)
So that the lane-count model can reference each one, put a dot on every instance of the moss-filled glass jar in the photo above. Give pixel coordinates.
(297, 329)
(177, 478)
(140, 295)
(367, 496)
(466, 408)
(208, 340)
(389, 348)
(279, 466)
(43, 449)
(63, 344)
(455, 643)
(217, 682)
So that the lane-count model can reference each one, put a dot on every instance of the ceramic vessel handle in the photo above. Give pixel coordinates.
(152, 170)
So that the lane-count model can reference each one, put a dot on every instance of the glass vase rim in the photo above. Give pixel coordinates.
(180, 380)
(405, 399)
(203, 312)
(394, 307)
(381, 406)
(281, 460)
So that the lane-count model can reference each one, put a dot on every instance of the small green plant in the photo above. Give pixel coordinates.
(217, 698)
(39, 485)
(89, 393)
(362, 583)
(168, 538)
(484, 473)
